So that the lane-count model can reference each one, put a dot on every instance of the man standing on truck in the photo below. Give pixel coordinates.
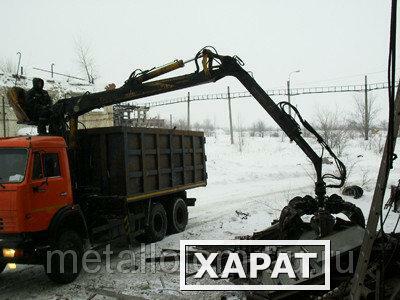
(38, 103)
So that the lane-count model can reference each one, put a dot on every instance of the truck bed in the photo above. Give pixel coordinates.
(139, 163)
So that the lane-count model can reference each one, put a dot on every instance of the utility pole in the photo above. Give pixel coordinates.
(366, 113)
(188, 111)
(19, 63)
(288, 96)
(288, 89)
(230, 116)
(357, 286)
(4, 116)
(170, 121)
(52, 70)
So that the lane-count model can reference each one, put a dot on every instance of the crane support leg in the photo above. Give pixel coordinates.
(375, 213)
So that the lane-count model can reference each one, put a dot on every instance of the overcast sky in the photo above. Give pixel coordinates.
(331, 42)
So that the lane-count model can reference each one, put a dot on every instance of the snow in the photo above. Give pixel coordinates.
(28, 130)
(258, 182)
(63, 87)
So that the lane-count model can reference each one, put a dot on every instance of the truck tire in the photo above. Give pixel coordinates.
(66, 242)
(158, 223)
(177, 216)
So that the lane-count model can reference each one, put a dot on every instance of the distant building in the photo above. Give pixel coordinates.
(135, 116)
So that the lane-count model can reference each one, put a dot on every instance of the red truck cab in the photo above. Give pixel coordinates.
(35, 198)
(35, 182)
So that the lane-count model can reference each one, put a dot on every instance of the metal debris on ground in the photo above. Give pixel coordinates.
(242, 215)
(394, 199)
(354, 191)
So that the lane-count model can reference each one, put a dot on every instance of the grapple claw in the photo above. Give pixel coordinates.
(323, 222)
(290, 223)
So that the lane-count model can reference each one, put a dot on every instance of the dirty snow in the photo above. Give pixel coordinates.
(246, 191)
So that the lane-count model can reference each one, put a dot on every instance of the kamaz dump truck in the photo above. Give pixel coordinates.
(131, 183)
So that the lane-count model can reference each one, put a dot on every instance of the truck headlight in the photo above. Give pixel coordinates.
(11, 253)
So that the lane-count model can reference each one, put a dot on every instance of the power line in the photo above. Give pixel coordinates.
(61, 74)
(274, 92)
(345, 77)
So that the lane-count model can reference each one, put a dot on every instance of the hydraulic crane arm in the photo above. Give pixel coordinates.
(132, 90)
(214, 67)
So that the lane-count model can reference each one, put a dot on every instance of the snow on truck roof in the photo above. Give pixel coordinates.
(33, 142)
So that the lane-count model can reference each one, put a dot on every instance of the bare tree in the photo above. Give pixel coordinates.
(240, 130)
(8, 66)
(196, 126)
(181, 124)
(258, 127)
(253, 130)
(261, 128)
(208, 127)
(376, 142)
(86, 60)
(364, 116)
(333, 130)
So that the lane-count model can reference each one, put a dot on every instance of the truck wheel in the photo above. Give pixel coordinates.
(177, 216)
(69, 245)
(158, 223)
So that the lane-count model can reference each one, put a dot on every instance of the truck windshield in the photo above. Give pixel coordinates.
(12, 164)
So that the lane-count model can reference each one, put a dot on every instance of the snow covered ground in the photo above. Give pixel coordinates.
(245, 192)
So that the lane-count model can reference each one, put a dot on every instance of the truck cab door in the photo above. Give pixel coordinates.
(50, 188)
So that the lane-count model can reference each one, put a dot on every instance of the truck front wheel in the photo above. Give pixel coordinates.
(64, 262)
(177, 216)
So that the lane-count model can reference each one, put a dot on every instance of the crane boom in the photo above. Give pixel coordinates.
(214, 67)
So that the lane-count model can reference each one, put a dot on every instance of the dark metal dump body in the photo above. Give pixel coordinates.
(140, 163)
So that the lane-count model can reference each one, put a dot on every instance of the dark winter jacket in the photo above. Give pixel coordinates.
(37, 100)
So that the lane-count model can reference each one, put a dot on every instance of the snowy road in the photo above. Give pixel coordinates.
(257, 182)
